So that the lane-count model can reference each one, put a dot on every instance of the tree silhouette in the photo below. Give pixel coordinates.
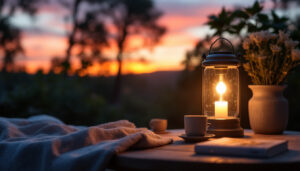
(91, 40)
(75, 24)
(10, 44)
(113, 21)
(10, 36)
(131, 17)
(88, 34)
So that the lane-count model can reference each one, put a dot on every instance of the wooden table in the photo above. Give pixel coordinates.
(181, 156)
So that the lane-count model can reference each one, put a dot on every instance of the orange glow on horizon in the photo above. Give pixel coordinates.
(106, 69)
(41, 48)
(166, 55)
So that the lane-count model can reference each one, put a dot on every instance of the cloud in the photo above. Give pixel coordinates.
(36, 47)
(200, 32)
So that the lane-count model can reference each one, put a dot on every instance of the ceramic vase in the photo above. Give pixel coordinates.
(268, 109)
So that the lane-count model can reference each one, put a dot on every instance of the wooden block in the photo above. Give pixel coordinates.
(225, 127)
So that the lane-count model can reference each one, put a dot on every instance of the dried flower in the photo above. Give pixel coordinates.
(257, 37)
(246, 44)
(275, 48)
(283, 36)
(296, 55)
(291, 43)
(270, 57)
(260, 37)
(272, 36)
(262, 57)
(246, 66)
(268, 36)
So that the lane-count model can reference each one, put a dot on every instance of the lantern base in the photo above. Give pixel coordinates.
(229, 127)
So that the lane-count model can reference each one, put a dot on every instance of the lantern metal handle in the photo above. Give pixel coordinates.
(218, 40)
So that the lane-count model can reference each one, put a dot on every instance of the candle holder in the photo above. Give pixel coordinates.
(220, 85)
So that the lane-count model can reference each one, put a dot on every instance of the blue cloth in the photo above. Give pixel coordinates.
(45, 143)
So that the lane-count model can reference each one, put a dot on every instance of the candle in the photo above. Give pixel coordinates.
(221, 107)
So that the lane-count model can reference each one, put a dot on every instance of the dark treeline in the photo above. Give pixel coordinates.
(85, 100)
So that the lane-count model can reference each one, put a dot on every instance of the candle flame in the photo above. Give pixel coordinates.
(221, 107)
(221, 88)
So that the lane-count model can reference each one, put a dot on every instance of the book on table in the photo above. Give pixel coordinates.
(242, 147)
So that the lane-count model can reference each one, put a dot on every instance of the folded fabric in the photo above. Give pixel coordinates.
(45, 143)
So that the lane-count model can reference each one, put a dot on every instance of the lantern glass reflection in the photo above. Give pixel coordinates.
(221, 91)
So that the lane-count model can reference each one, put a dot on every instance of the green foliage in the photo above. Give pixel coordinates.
(81, 100)
(247, 20)
(221, 22)
(10, 39)
(66, 98)
(238, 23)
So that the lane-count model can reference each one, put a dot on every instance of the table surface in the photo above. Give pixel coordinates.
(181, 156)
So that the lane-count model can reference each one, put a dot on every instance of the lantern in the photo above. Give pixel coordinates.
(220, 84)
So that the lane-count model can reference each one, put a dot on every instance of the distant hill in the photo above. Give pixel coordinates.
(159, 78)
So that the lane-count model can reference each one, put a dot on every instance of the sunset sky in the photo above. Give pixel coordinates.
(45, 36)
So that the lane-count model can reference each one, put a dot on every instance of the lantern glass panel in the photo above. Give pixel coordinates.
(221, 91)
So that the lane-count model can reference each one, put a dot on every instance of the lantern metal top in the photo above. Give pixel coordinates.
(221, 58)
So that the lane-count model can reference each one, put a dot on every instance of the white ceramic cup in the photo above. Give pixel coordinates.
(158, 125)
(195, 125)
